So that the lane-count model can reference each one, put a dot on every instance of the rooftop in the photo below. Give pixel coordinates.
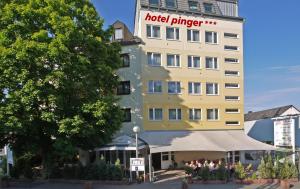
(210, 8)
(267, 114)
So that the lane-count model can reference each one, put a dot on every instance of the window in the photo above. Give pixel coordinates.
(165, 156)
(208, 7)
(231, 73)
(231, 48)
(193, 35)
(123, 88)
(233, 123)
(193, 5)
(173, 60)
(194, 61)
(213, 114)
(154, 86)
(175, 114)
(127, 115)
(232, 111)
(212, 88)
(155, 114)
(232, 98)
(211, 63)
(125, 60)
(154, 2)
(154, 59)
(211, 37)
(174, 87)
(153, 31)
(118, 34)
(231, 35)
(231, 60)
(172, 33)
(232, 85)
(195, 114)
(194, 88)
(171, 4)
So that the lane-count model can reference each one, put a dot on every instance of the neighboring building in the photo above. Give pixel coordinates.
(274, 126)
(184, 83)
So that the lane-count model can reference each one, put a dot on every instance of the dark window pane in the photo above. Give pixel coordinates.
(123, 88)
(127, 115)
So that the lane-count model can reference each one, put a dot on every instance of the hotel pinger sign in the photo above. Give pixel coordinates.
(177, 20)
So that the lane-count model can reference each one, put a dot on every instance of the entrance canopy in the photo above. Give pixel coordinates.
(222, 141)
(123, 143)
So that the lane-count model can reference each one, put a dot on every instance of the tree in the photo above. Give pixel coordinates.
(57, 77)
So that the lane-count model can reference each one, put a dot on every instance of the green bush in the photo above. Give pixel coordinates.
(68, 172)
(253, 176)
(205, 173)
(240, 172)
(188, 170)
(221, 172)
(288, 171)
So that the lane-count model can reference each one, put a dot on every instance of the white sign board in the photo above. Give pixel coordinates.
(284, 132)
(137, 164)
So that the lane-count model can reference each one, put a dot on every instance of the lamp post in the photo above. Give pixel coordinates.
(136, 130)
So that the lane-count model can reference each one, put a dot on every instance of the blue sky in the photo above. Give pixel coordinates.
(271, 48)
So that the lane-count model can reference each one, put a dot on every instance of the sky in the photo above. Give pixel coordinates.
(271, 48)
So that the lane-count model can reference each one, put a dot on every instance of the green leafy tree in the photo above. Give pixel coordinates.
(57, 77)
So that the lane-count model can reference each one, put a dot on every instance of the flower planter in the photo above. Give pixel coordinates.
(189, 179)
(88, 185)
(265, 181)
(284, 184)
(209, 182)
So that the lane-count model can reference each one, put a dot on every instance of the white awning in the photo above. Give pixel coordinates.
(123, 143)
(222, 141)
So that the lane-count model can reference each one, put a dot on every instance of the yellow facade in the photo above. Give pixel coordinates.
(184, 74)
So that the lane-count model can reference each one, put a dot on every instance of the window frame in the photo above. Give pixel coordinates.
(152, 58)
(176, 86)
(122, 33)
(193, 62)
(213, 38)
(123, 60)
(232, 112)
(177, 60)
(153, 87)
(232, 124)
(214, 89)
(125, 112)
(226, 60)
(234, 75)
(228, 99)
(153, 112)
(191, 31)
(177, 115)
(215, 61)
(228, 87)
(230, 48)
(124, 92)
(154, 4)
(197, 5)
(193, 88)
(214, 113)
(176, 31)
(192, 117)
(212, 8)
(152, 31)
(231, 37)
(173, 7)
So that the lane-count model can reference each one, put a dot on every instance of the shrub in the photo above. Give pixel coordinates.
(102, 169)
(188, 170)
(253, 176)
(265, 169)
(205, 173)
(288, 171)
(240, 172)
(68, 172)
(221, 173)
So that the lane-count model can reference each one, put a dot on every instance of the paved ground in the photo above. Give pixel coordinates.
(170, 185)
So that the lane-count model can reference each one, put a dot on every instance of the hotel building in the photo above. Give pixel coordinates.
(183, 81)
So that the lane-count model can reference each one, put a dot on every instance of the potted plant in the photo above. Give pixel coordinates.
(240, 173)
(184, 184)
(189, 171)
(286, 174)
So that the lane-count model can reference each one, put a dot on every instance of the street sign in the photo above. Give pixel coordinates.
(284, 132)
(137, 164)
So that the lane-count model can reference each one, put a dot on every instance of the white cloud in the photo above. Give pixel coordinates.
(289, 69)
